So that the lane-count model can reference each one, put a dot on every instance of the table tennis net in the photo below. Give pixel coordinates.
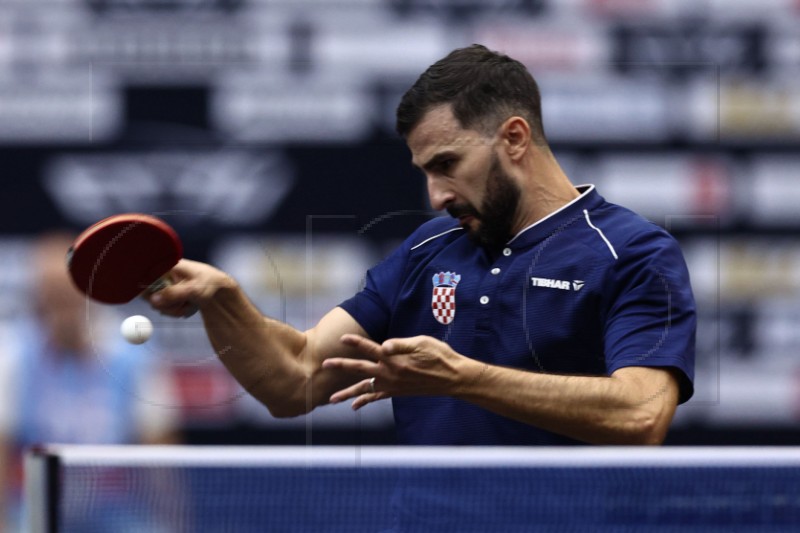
(375, 489)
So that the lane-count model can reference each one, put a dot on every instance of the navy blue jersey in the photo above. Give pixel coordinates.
(588, 290)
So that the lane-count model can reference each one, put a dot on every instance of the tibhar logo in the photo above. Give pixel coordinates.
(576, 285)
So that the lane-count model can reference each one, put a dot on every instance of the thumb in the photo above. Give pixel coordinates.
(175, 291)
(174, 299)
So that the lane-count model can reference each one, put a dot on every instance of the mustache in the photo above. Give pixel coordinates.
(457, 211)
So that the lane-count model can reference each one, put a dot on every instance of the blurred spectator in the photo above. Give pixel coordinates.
(61, 382)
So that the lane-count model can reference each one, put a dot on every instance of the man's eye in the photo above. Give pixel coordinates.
(446, 164)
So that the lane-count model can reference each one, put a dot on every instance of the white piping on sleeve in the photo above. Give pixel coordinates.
(435, 237)
(598, 230)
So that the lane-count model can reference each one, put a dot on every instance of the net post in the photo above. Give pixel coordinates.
(41, 490)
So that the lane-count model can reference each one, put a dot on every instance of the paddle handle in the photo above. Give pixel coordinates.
(162, 283)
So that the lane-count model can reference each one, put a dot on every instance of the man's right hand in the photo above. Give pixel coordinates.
(194, 285)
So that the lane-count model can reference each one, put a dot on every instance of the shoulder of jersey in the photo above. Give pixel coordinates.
(440, 229)
(626, 232)
(627, 225)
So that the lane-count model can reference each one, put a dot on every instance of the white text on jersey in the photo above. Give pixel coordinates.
(576, 285)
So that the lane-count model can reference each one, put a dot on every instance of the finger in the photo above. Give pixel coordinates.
(172, 296)
(361, 388)
(366, 399)
(398, 346)
(362, 392)
(358, 366)
(178, 310)
(366, 346)
(184, 310)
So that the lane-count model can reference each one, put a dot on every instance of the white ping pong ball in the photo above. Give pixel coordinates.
(136, 329)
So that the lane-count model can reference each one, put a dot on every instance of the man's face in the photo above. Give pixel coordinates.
(61, 308)
(465, 177)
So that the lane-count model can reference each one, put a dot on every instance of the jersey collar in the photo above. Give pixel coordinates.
(589, 199)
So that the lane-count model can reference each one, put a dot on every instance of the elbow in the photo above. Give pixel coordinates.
(647, 429)
(288, 408)
(650, 435)
(286, 404)
(288, 397)
(284, 411)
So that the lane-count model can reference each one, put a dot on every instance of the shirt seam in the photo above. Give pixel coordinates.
(583, 195)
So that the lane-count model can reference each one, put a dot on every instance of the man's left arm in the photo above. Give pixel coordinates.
(634, 405)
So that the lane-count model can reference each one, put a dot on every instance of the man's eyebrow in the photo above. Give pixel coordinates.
(435, 160)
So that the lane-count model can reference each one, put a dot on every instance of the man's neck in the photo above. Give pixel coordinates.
(546, 191)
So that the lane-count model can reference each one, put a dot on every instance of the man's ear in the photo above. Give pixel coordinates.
(515, 135)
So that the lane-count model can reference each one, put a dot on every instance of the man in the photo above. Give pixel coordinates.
(62, 382)
(538, 314)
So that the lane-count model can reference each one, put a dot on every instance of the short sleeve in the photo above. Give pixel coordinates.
(652, 318)
(372, 306)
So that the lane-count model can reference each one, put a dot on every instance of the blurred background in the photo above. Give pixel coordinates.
(263, 131)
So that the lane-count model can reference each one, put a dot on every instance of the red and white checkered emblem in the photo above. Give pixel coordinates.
(443, 302)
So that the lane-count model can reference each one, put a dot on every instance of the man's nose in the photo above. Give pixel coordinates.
(439, 196)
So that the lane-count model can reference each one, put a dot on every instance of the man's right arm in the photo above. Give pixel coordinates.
(275, 363)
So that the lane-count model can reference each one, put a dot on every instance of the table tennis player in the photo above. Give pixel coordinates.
(536, 313)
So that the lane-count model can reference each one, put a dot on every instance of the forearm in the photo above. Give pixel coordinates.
(277, 364)
(598, 410)
(265, 356)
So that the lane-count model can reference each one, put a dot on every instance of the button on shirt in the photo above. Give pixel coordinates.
(588, 290)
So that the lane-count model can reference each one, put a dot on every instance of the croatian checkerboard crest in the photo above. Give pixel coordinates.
(443, 301)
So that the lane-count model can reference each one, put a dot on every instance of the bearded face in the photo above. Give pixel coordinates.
(495, 218)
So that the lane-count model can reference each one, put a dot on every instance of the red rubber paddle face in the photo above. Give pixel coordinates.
(118, 258)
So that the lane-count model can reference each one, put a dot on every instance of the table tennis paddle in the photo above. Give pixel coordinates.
(124, 256)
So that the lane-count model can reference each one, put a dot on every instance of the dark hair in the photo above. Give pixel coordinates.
(484, 87)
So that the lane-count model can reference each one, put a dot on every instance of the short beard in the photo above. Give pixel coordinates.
(498, 210)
